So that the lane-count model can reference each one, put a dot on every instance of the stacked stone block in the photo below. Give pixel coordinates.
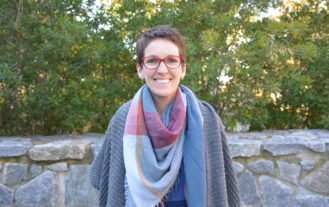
(47, 171)
(282, 167)
(274, 168)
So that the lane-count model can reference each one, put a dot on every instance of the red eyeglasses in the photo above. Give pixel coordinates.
(152, 62)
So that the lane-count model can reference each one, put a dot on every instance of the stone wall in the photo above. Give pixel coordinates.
(274, 168)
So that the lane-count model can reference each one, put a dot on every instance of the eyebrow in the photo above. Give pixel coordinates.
(158, 56)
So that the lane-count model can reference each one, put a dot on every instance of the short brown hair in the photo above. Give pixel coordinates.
(160, 32)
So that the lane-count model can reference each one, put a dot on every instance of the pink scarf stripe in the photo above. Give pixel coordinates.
(160, 135)
(135, 117)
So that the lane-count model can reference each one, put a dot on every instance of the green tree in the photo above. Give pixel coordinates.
(58, 69)
(66, 66)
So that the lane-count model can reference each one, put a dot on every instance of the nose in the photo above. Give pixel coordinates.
(162, 68)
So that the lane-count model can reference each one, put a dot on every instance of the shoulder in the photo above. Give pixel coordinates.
(122, 112)
(207, 109)
(118, 120)
(209, 114)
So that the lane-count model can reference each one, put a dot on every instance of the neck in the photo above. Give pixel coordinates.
(160, 105)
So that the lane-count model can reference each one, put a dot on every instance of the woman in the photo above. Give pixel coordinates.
(164, 147)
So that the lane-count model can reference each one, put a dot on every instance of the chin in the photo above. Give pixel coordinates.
(163, 93)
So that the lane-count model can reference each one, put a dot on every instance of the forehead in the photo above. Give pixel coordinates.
(161, 48)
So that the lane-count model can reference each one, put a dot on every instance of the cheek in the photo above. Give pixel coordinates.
(146, 74)
(180, 75)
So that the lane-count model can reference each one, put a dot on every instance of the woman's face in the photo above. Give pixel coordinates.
(162, 81)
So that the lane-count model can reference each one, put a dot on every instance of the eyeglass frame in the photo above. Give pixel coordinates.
(163, 60)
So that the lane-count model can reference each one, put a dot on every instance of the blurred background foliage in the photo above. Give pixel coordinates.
(67, 65)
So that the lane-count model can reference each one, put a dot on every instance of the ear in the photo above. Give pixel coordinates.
(139, 71)
(183, 71)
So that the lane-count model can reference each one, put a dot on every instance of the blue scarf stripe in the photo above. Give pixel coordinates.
(194, 153)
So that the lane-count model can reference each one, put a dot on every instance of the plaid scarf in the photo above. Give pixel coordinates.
(154, 147)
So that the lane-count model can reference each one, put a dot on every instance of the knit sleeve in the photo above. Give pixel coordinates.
(220, 170)
(98, 173)
(231, 182)
(97, 164)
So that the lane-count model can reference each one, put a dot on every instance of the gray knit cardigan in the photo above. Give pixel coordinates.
(107, 172)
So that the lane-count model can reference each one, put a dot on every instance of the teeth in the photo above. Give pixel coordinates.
(162, 81)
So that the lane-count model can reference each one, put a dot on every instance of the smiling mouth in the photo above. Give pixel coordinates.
(162, 81)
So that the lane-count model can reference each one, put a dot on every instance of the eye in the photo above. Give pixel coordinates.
(172, 60)
(151, 60)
